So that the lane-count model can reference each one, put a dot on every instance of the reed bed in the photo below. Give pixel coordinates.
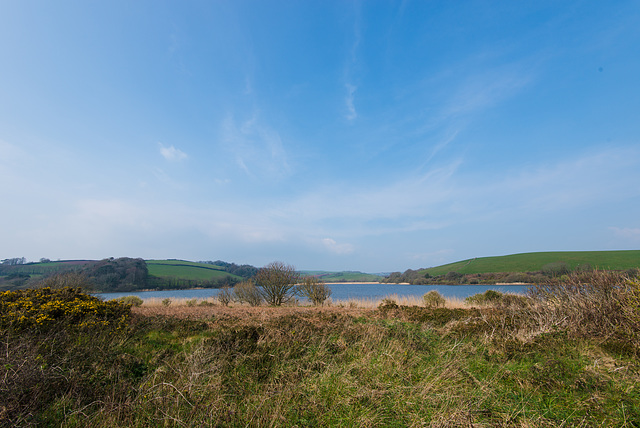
(181, 301)
(372, 303)
(360, 303)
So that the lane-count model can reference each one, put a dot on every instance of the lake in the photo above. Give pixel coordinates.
(343, 291)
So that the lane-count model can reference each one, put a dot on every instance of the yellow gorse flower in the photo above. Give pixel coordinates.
(42, 308)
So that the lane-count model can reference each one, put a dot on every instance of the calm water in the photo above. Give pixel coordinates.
(344, 291)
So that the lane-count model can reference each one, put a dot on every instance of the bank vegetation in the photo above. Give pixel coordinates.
(565, 355)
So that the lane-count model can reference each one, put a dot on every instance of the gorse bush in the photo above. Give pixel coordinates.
(60, 346)
(43, 308)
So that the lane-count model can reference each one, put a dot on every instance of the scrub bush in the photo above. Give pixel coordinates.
(388, 304)
(224, 296)
(134, 301)
(315, 290)
(247, 292)
(433, 299)
(489, 297)
(597, 303)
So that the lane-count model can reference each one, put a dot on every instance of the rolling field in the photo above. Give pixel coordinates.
(531, 262)
(186, 270)
(49, 267)
(342, 276)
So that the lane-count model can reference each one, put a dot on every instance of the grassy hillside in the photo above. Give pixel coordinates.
(186, 270)
(117, 274)
(48, 267)
(531, 262)
(342, 276)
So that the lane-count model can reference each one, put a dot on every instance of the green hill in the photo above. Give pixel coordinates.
(122, 274)
(347, 276)
(187, 270)
(531, 262)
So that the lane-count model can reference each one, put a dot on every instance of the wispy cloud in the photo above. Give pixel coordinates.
(481, 91)
(9, 154)
(8, 151)
(351, 109)
(162, 176)
(258, 150)
(248, 85)
(172, 154)
(433, 256)
(629, 233)
(350, 67)
(334, 247)
(174, 45)
(448, 196)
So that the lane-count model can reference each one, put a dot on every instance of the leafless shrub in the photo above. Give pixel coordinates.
(247, 292)
(224, 296)
(631, 303)
(314, 290)
(277, 282)
(585, 302)
(67, 279)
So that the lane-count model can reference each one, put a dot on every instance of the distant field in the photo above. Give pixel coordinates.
(343, 276)
(49, 267)
(186, 270)
(531, 262)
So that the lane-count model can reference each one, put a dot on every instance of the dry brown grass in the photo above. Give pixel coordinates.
(451, 302)
(354, 303)
(241, 311)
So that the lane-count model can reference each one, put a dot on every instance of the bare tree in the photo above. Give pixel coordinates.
(277, 282)
(68, 279)
(315, 290)
(247, 292)
(225, 296)
(14, 261)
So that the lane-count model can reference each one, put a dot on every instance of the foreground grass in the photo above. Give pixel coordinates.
(407, 368)
(392, 366)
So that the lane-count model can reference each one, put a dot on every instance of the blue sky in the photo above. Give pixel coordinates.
(373, 136)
